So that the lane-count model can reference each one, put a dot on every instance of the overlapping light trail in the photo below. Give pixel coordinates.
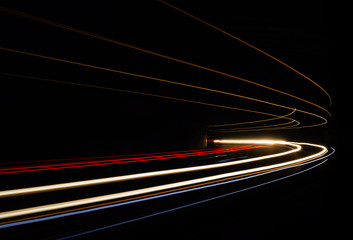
(176, 180)
(77, 163)
(126, 196)
(80, 31)
(249, 45)
(93, 35)
(191, 204)
(322, 122)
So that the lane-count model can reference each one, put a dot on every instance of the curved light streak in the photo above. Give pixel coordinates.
(250, 122)
(61, 186)
(126, 194)
(324, 121)
(85, 210)
(115, 161)
(175, 187)
(249, 45)
(147, 94)
(257, 128)
(173, 209)
(66, 27)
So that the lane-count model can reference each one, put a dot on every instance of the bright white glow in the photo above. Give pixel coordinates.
(61, 186)
(121, 195)
(240, 141)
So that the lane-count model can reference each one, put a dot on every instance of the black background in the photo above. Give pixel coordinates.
(48, 120)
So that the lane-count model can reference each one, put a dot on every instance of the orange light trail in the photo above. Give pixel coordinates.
(249, 45)
(143, 93)
(62, 26)
(258, 128)
(251, 122)
(162, 80)
(296, 147)
(283, 154)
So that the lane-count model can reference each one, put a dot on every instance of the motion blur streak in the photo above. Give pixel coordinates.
(57, 166)
(167, 194)
(251, 122)
(52, 23)
(61, 186)
(249, 45)
(92, 200)
(165, 97)
(142, 93)
(195, 203)
(324, 121)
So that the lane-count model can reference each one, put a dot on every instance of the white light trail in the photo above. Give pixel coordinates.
(154, 189)
(61, 186)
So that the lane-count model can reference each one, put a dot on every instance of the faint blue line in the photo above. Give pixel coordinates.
(164, 195)
(202, 201)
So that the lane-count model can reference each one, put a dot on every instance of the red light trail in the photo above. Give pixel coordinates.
(78, 164)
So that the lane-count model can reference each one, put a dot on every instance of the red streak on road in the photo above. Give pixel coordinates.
(74, 163)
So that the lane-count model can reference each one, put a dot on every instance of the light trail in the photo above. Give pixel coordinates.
(92, 200)
(260, 165)
(112, 205)
(125, 156)
(250, 122)
(249, 45)
(258, 128)
(25, 191)
(324, 120)
(66, 27)
(154, 95)
(169, 210)
(70, 165)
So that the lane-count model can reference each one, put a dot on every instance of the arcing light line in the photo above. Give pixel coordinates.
(261, 127)
(250, 122)
(61, 186)
(125, 156)
(152, 95)
(155, 95)
(45, 218)
(165, 211)
(70, 165)
(140, 76)
(249, 45)
(162, 194)
(145, 94)
(92, 200)
(62, 26)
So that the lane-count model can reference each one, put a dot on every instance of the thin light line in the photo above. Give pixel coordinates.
(59, 25)
(257, 127)
(164, 195)
(139, 93)
(250, 122)
(195, 203)
(249, 45)
(55, 187)
(97, 199)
